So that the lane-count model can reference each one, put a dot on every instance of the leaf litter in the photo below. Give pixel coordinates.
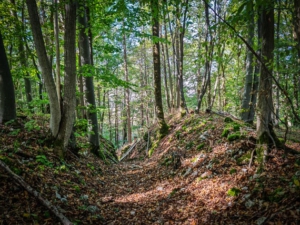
(212, 185)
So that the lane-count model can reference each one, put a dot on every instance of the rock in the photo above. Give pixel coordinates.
(249, 203)
(206, 174)
(160, 188)
(187, 172)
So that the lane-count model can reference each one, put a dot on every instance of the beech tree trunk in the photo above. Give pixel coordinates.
(183, 105)
(7, 93)
(55, 114)
(246, 104)
(57, 50)
(127, 98)
(265, 132)
(163, 127)
(69, 99)
(165, 78)
(297, 38)
(85, 58)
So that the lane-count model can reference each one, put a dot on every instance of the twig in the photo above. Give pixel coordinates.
(251, 159)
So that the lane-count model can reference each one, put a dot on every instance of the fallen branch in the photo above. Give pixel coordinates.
(129, 150)
(36, 194)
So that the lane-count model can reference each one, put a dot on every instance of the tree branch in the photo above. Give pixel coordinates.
(36, 194)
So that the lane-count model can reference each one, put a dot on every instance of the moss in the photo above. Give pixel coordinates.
(236, 127)
(228, 120)
(232, 171)
(244, 158)
(151, 150)
(163, 130)
(234, 136)
(183, 113)
(199, 147)
(233, 192)
(225, 132)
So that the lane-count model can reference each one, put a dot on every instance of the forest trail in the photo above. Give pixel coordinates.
(196, 175)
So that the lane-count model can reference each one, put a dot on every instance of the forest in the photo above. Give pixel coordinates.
(149, 112)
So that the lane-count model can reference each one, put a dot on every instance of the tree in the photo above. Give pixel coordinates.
(69, 98)
(86, 63)
(246, 104)
(163, 127)
(265, 132)
(7, 93)
(126, 94)
(55, 113)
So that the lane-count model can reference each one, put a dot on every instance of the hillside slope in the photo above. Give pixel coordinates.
(200, 173)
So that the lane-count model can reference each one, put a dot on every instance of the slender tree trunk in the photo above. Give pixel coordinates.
(209, 52)
(163, 127)
(297, 39)
(86, 62)
(22, 56)
(45, 67)
(57, 51)
(7, 93)
(245, 111)
(109, 117)
(69, 99)
(40, 83)
(277, 103)
(127, 101)
(165, 77)
(265, 132)
(254, 91)
(167, 58)
(116, 119)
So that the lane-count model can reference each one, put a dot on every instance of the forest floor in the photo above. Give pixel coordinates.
(202, 172)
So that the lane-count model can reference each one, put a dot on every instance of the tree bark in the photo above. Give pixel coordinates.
(182, 28)
(163, 127)
(165, 78)
(57, 50)
(245, 109)
(265, 132)
(127, 97)
(69, 99)
(7, 93)
(86, 61)
(55, 114)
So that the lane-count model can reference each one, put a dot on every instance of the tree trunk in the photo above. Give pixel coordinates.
(127, 98)
(297, 38)
(7, 93)
(22, 56)
(57, 50)
(256, 72)
(265, 132)
(183, 105)
(86, 62)
(167, 58)
(116, 119)
(69, 99)
(55, 114)
(165, 78)
(163, 127)
(245, 109)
